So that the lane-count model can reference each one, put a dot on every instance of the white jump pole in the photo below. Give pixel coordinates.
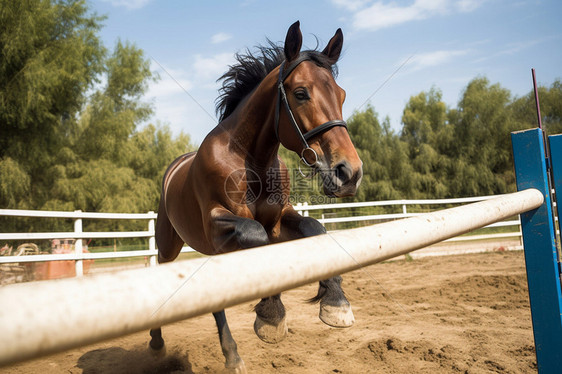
(52, 316)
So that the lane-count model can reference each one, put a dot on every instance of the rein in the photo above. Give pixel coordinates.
(282, 98)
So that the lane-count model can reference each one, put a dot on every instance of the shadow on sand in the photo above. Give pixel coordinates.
(116, 360)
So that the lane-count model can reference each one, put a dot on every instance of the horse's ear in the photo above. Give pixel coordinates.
(293, 42)
(333, 49)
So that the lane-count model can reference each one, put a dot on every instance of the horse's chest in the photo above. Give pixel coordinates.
(265, 213)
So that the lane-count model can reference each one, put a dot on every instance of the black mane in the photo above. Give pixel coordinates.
(251, 69)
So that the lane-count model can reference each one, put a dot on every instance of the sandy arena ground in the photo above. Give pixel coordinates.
(451, 314)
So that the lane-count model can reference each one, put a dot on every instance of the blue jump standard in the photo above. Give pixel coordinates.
(555, 142)
(539, 241)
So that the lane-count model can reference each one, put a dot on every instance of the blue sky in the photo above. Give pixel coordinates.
(424, 43)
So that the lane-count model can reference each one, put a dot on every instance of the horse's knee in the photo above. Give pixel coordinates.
(250, 233)
(230, 233)
(311, 227)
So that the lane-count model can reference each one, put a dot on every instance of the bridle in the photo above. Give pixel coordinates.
(282, 97)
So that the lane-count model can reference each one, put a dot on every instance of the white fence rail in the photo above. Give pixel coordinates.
(78, 256)
(151, 253)
(176, 291)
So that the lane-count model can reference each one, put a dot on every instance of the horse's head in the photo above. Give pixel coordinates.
(309, 114)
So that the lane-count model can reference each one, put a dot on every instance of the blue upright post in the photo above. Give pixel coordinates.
(556, 156)
(541, 259)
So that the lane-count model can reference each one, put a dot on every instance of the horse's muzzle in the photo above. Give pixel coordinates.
(341, 180)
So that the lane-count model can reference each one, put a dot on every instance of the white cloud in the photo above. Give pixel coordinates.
(468, 5)
(351, 5)
(382, 14)
(182, 113)
(212, 67)
(510, 49)
(436, 58)
(513, 48)
(184, 96)
(168, 86)
(129, 4)
(220, 37)
(172, 81)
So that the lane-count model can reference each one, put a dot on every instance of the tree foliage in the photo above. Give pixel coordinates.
(74, 132)
(51, 55)
(446, 152)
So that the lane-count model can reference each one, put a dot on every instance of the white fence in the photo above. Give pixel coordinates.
(172, 292)
(78, 256)
(151, 253)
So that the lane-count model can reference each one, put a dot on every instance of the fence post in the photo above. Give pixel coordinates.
(305, 212)
(299, 211)
(152, 241)
(78, 264)
(404, 210)
(541, 257)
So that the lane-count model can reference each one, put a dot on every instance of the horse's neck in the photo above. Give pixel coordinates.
(253, 130)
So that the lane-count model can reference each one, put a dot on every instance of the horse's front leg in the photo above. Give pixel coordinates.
(335, 310)
(228, 233)
(231, 232)
(271, 324)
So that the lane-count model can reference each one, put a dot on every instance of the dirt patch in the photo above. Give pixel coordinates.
(451, 314)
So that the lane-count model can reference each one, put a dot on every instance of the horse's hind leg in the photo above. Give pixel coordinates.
(233, 363)
(156, 343)
(169, 246)
(167, 239)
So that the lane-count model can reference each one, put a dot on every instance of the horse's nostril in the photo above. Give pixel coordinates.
(343, 172)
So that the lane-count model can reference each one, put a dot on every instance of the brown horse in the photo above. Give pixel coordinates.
(219, 199)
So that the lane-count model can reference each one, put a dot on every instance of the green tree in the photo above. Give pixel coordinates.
(113, 113)
(14, 184)
(67, 140)
(383, 155)
(111, 166)
(424, 116)
(483, 143)
(427, 133)
(524, 109)
(51, 55)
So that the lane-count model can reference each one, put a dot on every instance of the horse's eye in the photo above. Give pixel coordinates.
(301, 93)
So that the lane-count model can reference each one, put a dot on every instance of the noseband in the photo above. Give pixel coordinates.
(282, 98)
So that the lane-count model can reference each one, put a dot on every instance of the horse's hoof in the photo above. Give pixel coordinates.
(238, 368)
(157, 353)
(270, 333)
(336, 316)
